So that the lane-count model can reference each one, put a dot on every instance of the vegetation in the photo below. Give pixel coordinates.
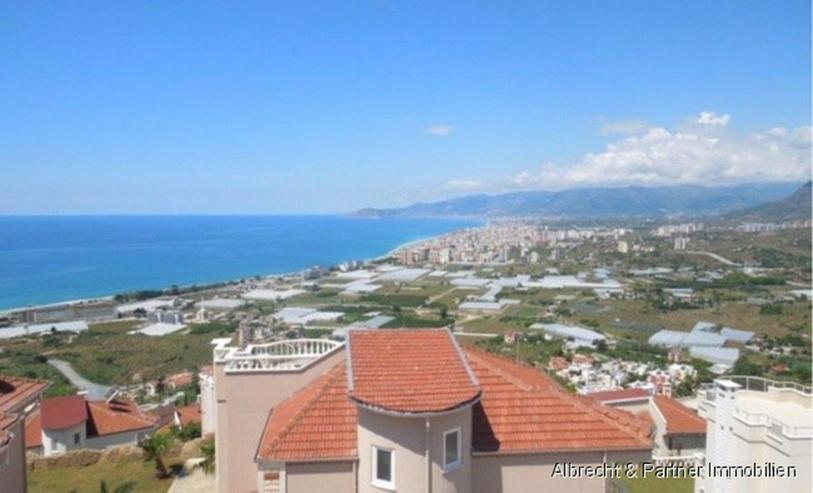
(155, 449)
(88, 479)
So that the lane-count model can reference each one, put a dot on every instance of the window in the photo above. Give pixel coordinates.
(384, 468)
(451, 449)
(76, 437)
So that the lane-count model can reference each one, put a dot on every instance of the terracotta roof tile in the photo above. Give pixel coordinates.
(618, 395)
(189, 414)
(317, 423)
(15, 390)
(59, 413)
(409, 370)
(679, 418)
(117, 416)
(33, 430)
(523, 410)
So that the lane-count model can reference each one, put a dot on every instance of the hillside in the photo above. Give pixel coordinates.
(599, 202)
(796, 207)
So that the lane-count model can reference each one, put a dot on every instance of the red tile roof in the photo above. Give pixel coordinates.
(33, 430)
(117, 416)
(619, 395)
(317, 423)
(409, 370)
(521, 410)
(679, 418)
(59, 413)
(189, 414)
(16, 390)
(524, 410)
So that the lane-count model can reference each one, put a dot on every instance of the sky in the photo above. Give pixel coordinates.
(322, 107)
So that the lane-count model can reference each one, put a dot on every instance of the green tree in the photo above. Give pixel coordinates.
(155, 449)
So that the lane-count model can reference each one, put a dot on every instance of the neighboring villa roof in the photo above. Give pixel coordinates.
(621, 395)
(60, 413)
(117, 416)
(14, 390)
(100, 417)
(521, 409)
(679, 418)
(412, 371)
(33, 430)
(189, 414)
(316, 423)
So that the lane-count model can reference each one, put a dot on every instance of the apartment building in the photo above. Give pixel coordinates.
(753, 420)
(18, 396)
(404, 410)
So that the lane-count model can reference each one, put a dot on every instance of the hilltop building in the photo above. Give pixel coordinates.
(403, 410)
(752, 420)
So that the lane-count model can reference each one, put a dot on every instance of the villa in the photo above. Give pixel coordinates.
(404, 410)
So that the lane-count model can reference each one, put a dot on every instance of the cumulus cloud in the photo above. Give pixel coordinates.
(705, 153)
(440, 130)
(466, 185)
(713, 119)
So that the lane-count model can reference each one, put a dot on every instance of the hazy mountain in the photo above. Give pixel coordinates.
(599, 202)
(793, 208)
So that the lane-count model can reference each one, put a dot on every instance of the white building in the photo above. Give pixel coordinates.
(755, 421)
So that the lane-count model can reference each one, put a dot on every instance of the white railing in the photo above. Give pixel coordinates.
(274, 356)
(759, 384)
(695, 459)
(774, 425)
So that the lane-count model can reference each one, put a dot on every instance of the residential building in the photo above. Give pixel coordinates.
(72, 422)
(18, 396)
(680, 434)
(404, 410)
(753, 420)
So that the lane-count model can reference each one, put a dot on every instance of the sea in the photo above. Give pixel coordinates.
(49, 259)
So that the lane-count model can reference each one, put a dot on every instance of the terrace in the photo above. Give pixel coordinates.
(288, 355)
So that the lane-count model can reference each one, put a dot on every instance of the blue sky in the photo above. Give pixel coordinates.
(281, 107)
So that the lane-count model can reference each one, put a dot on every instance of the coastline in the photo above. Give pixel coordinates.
(211, 284)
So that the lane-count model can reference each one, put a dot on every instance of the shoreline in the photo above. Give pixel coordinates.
(206, 285)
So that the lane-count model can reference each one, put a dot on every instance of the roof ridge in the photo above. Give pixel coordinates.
(140, 416)
(297, 417)
(625, 420)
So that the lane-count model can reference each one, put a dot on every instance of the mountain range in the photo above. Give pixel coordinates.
(596, 202)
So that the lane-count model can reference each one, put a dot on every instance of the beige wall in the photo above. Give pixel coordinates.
(407, 437)
(244, 401)
(319, 477)
(12, 461)
(534, 472)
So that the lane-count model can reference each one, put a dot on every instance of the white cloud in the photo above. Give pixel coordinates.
(440, 130)
(466, 185)
(704, 154)
(713, 119)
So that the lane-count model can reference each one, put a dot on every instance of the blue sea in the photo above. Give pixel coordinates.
(47, 259)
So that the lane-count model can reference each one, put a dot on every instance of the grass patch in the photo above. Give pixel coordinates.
(88, 479)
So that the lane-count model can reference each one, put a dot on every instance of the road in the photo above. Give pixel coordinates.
(95, 391)
(719, 258)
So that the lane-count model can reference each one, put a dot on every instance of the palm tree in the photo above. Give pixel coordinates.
(155, 448)
(207, 449)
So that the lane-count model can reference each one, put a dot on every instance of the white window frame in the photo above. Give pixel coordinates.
(448, 466)
(380, 483)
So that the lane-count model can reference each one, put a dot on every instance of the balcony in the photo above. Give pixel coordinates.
(288, 355)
